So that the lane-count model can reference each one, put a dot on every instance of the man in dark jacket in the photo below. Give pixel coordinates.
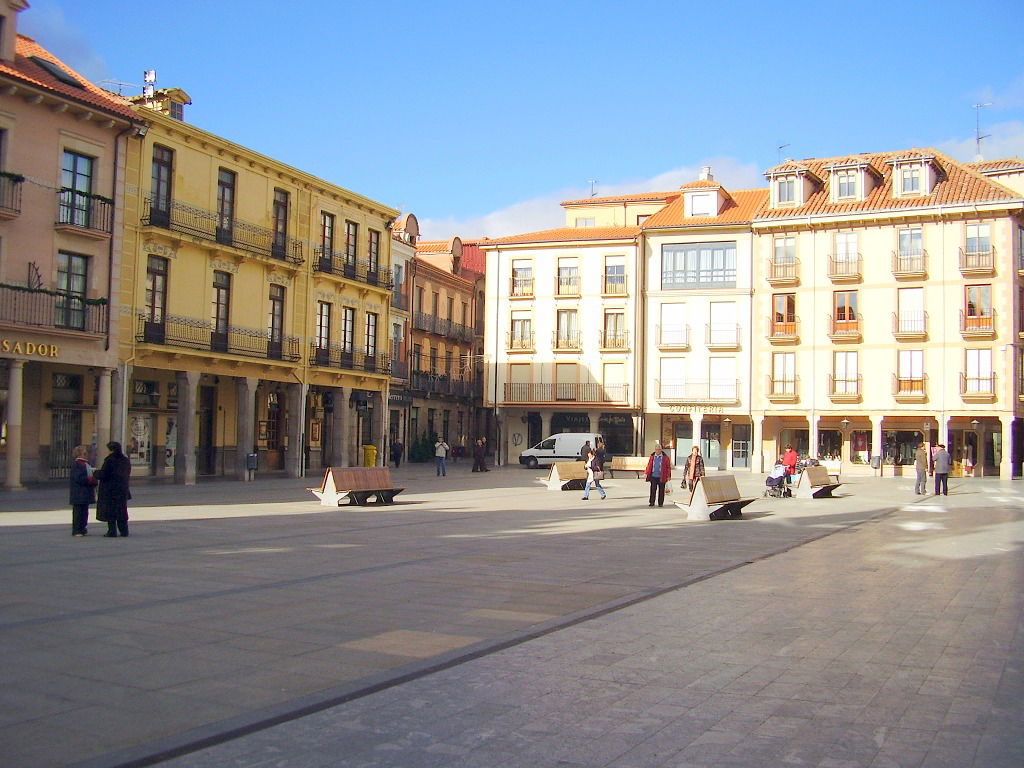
(83, 491)
(112, 507)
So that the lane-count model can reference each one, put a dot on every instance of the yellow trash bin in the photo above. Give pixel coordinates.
(369, 455)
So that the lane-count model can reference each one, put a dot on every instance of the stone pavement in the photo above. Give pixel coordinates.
(489, 622)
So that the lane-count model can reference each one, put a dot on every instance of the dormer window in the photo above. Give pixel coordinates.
(585, 221)
(701, 205)
(846, 184)
(785, 190)
(910, 180)
(914, 176)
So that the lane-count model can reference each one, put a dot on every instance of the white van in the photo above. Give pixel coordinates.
(565, 446)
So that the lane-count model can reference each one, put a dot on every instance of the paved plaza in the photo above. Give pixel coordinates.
(485, 621)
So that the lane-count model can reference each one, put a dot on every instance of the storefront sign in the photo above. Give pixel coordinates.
(695, 408)
(30, 348)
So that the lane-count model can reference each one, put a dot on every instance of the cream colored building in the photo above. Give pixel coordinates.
(404, 236)
(887, 292)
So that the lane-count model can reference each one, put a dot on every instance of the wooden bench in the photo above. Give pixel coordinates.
(567, 476)
(815, 483)
(357, 484)
(715, 497)
(636, 464)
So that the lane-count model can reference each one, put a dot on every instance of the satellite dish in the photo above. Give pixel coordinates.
(149, 76)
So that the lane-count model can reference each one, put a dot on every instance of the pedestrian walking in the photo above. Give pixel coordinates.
(478, 456)
(921, 468)
(694, 468)
(483, 456)
(658, 473)
(396, 452)
(594, 476)
(942, 464)
(440, 455)
(112, 506)
(83, 491)
(601, 453)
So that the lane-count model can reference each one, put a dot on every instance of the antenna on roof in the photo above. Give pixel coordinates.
(120, 86)
(779, 150)
(977, 130)
(593, 188)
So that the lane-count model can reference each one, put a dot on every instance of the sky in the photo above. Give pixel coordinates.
(480, 118)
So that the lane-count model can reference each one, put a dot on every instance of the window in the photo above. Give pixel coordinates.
(435, 303)
(448, 364)
(700, 205)
(845, 310)
(225, 205)
(451, 308)
(522, 277)
(845, 261)
(568, 333)
(783, 373)
(323, 325)
(846, 183)
(785, 190)
(373, 252)
(783, 314)
(161, 189)
(615, 275)
(465, 314)
(398, 277)
(910, 179)
(614, 330)
(672, 383)
(673, 331)
(978, 308)
(433, 361)
(351, 242)
(641, 218)
(419, 300)
(910, 309)
(522, 331)
(785, 250)
(722, 378)
(371, 334)
(846, 379)
(979, 379)
(698, 265)
(220, 310)
(585, 221)
(156, 289)
(722, 327)
(76, 179)
(417, 357)
(348, 329)
(1020, 247)
(280, 217)
(72, 274)
(910, 376)
(275, 320)
(978, 239)
(326, 233)
(397, 336)
(568, 277)
(910, 242)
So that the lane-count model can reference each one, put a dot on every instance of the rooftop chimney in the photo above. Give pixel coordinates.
(705, 173)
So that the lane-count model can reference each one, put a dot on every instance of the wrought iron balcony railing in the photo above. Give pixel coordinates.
(783, 387)
(340, 264)
(337, 356)
(207, 225)
(783, 330)
(699, 390)
(782, 271)
(83, 211)
(399, 300)
(567, 285)
(10, 194)
(441, 384)
(592, 392)
(978, 261)
(909, 263)
(676, 336)
(845, 386)
(614, 339)
(978, 326)
(40, 308)
(909, 386)
(192, 333)
(909, 325)
(721, 335)
(614, 285)
(521, 286)
(845, 266)
(977, 385)
(848, 327)
(519, 341)
(566, 340)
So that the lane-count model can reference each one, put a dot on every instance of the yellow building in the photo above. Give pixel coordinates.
(255, 309)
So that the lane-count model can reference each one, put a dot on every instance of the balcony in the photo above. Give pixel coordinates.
(782, 272)
(673, 336)
(336, 356)
(207, 225)
(567, 286)
(783, 390)
(845, 389)
(516, 392)
(910, 389)
(845, 330)
(845, 268)
(910, 265)
(84, 214)
(521, 288)
(698, 391)
(614, 341)
(460, 332)
(978, 389)
(520, 342)
(613, 285)
(339, 264)
(566, 341)
(978, 326)
(978, 263)
(910, 326)
(399, 368)
(784, 331)
(399, 300)
(53, 310)
(722, 336)
(191, 333)
(10, 195)
(441, 384)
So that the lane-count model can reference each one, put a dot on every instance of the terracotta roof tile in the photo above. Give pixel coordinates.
(566, 234)
(636, 197)
(740, 207)
(27, 71)
(434, 246)
(996, 166)
(701, 184)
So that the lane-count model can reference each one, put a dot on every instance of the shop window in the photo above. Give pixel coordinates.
(899, 446)
(860, 446)
(830, 444)
(146, 394)
(67, 388)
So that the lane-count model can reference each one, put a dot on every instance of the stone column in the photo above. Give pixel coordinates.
(15, 407)
(245, 432)
(756, 448)
(681, 453)
(725, 455)
(185, 455)
(381, 429)
(545, 424)
(1005, 463)
(103, 409)
(339, 428)
(812, 435)
(120, 386)
(296, 419)
(876, 440)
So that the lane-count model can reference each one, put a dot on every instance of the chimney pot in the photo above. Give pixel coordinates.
(705, 173)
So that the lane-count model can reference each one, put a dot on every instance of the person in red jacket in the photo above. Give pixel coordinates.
(789, 460)
(659, 472)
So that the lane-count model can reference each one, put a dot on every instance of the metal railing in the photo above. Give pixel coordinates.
(721, 335)
(51, 309)
(566, 340)
(782, 270)
(845, 387)
(209, 226)
(614, 339)
(192, 333)
(441, 384)
(521, 286)
(982, 325)
(592, 392)
(338, 263)
(845, 266)
(978, 261)
(909, 262)
(909, 323)
(783, 329)
(80, 209)
(399, 300)
(519, 341)
(909, 386)
(337, 356)
(844, 328)
(567, 285)
(673, 336)
(783, 387)
(613, 285)
(10, 193)
(699, 390)
(977, 385)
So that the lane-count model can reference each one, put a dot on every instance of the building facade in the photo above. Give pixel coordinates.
(63, 142)
(404, 235)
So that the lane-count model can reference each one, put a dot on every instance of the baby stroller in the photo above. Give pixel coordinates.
(776, 483)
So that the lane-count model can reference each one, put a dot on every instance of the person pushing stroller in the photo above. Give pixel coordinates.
(776, 482)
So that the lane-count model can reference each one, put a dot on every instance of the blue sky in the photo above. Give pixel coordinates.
(480, 117)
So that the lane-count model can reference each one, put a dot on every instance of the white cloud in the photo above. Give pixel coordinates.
(45, 23)
(1004, 140)
(544, 212)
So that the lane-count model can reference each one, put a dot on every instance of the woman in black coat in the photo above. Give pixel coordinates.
(112, 507)
(83, 491)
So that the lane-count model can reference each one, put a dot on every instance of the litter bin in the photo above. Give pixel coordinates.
(252, 461)
(876, 462)
(369, 455)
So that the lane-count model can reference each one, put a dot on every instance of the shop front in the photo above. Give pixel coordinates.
(724, 438)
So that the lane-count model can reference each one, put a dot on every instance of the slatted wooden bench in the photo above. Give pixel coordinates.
(357, 484)
(636, 464)
(567, 476)
(715, 497)
(815, 483)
